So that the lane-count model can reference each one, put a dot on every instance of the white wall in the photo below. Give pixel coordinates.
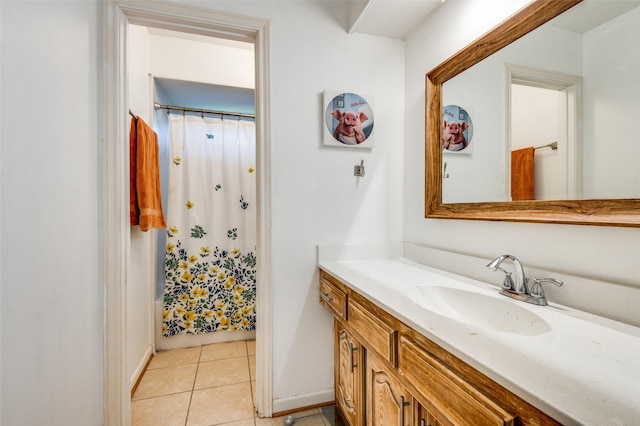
(315, 198)
(606, 253)
(52, 300)
(611, 61)
(52, 297)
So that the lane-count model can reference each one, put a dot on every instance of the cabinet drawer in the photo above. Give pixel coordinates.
(332, 298)
(449, 393)
(376, 334)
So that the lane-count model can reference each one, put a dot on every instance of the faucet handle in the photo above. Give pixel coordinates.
(536, 288)
(507, 284)
(508, 281)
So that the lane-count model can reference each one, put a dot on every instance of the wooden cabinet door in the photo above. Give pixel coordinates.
(388, 402)
(348, 375)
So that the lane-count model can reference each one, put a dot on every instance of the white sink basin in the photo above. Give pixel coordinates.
(479, 310)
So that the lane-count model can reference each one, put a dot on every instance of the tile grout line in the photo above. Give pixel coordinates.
(251, 380)
(186, 420)
(247, 356)
(253, 397)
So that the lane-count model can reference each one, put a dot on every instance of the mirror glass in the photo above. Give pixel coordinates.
(551, 116)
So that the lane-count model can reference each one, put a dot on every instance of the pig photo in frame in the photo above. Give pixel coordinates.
(348, 120)
(457, 130)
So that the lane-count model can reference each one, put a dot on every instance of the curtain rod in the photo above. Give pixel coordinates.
(552, 145)
(156, 105)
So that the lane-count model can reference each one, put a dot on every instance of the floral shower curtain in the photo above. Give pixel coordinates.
(210, 263)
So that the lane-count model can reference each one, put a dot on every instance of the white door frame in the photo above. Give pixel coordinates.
(571, 86)
(118, 14)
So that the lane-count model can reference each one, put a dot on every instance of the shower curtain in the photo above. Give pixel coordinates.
(210, 262)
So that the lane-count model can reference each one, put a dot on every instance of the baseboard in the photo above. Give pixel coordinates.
(142, 367)
(301, 402)
(303, 409)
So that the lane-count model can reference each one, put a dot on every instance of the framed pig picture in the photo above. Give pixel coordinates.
(457, 130)
(348, 120)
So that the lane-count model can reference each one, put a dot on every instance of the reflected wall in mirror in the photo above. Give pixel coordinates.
(554, 94)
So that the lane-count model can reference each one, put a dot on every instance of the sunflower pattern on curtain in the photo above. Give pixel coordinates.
(210, 262)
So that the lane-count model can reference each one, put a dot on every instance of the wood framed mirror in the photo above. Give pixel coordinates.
(591, 211)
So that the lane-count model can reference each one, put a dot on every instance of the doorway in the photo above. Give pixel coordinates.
(118, 16)
(537, 120)
(543, 111)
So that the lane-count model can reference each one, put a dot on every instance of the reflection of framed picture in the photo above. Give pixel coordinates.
(348, 120)
(457, 130)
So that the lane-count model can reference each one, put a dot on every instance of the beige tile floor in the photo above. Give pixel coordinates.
(205, 386)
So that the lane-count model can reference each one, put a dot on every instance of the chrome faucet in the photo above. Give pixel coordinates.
(519, 288)
(520, 284)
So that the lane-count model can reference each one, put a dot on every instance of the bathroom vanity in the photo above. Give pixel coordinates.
(419, 346)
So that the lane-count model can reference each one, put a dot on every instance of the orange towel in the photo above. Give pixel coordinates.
(147, 177)
(522, 174)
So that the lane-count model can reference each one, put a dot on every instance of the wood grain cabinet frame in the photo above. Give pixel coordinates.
(387, 373)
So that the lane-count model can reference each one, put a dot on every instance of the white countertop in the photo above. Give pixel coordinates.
(581, 369)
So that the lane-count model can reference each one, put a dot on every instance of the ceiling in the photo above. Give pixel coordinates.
(398, 18)
(199, 95)
(591, 13)
(389, 18)
(207, 96)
